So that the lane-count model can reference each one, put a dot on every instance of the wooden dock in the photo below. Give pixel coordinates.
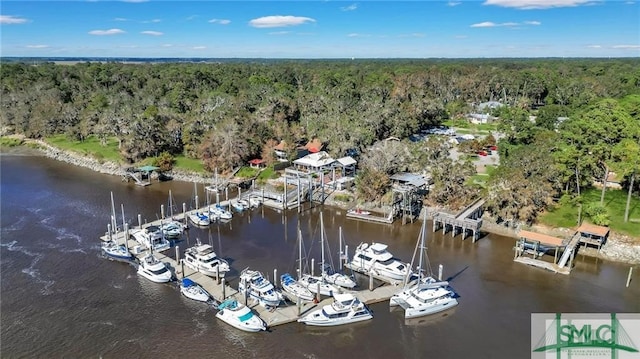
(220, 291)
(543, 264)
(371, 217)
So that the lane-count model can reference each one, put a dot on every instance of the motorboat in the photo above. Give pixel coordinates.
(426, 296)
(244, 203)
(203, 258)
(345, 309)
(376, 259)
(240, 316)
(254, 285)
(339, 279)
(115, 251)
(199, 219)
(295, 289)
(151, 237)
(237, 205)
(172, 230)
(193, 290)
(219, 212)
(154, 269)
(254, 202)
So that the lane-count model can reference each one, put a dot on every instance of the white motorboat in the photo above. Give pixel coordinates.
(114, 251)
(203, 258)
(172, 229)
(255, 285)
(237, 205)
(345, 309)
(240, 316)
(375, 258)
(199, 219)
(193, 290)
(294, 288)
(220, 213)
(154, 270)
(151, 237)
(317, 285)
(426, 296)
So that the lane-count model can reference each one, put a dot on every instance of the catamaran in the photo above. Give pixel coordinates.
(426, 296)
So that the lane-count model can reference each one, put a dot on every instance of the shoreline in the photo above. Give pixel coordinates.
(618, 247)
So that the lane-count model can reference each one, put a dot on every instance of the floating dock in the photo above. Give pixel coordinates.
(221, 290)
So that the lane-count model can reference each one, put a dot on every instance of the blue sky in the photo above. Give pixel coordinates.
(321, 29)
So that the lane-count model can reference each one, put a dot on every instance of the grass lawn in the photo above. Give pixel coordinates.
(91, 147)
(188, 164)
(615, 200)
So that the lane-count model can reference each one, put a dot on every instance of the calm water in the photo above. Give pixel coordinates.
(59, 298)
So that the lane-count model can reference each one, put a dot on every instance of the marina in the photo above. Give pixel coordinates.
(221, 290)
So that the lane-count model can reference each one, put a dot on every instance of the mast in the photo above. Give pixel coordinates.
(299, 254)
(322, 243)
(114, 224)
(422, 249)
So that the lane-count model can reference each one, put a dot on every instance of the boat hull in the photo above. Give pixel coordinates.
(251, 328)
(421, 312)
(334, 322)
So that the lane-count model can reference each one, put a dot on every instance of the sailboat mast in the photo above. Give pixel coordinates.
(322, 242)
(299, 254)
(114, 225)
(422, 249)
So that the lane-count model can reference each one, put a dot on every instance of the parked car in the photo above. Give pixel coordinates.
(483, 153)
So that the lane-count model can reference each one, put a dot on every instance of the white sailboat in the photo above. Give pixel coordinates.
(318, 284)
(110, 248)
(293, 287)
(332, 277)
(427, 296)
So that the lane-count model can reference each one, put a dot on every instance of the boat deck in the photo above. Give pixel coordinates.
(283, 314)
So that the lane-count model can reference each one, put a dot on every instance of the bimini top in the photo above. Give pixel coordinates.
(187, 282)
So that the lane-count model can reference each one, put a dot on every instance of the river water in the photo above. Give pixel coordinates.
(59, 298)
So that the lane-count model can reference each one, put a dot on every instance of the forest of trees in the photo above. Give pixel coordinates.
(228, 112)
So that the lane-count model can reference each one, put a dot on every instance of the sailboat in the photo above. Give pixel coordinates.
(426, 296)
(110, 248)
(198, 217)
(172, 229)
(332, 277)
(318, 284)
(292, 287)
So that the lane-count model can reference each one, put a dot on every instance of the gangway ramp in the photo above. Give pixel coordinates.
(472, 208)
(569, 250)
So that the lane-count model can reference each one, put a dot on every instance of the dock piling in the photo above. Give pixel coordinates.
(109, 231)
(370, 282)
(318, 291)
(162, 211)
(139, 221)
(312, 265)
(223, 290)
(218, 274)
(629, 276)
(275, 275)
(184, 212)
(440, 269)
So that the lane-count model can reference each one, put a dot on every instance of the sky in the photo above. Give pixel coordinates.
(320, 29)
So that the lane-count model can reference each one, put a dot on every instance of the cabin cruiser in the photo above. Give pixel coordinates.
(424, 299)
(116, 251)
(154, 270)
(294, 288)
(240, 316)
(376, 259)
(253, 284)
(151, 237)
(193, 290)
(203, 258)
(345, 309)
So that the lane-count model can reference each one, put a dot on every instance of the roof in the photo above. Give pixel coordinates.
(148, 168)
(280, 146)
(256, 161)
(410, 179)
(317, 159)
(593, 229)
(346, 161)
(315, 145)
(542, 238)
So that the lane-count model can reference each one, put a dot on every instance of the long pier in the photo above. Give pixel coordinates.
(467, 220)
(220, 290)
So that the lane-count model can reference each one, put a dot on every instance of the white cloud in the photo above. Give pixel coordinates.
(280, 21)
(505, 24)
(594, 46)
(120, 19)
(11, 20)
(152, 33)
(152, 21)
(167, 45)
(626, 46)
(37, 46)
(536, 4)
(106, 32)
(414, 34)
(349, 8)
(454, 3)
(199, 47)
(192, 17)
(485, 24)
(220, 21)
(280, 33)
(355, 34)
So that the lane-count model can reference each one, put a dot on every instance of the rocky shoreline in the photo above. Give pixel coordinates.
(618, 248)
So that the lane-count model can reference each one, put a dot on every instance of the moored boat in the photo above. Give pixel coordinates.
(154, 270)
(203, 258)
(253, 284)
(345, 309)
(151, 237)
(115, 251)
(376, 259)
(199, 219)
(193, 290)
(240, 316)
